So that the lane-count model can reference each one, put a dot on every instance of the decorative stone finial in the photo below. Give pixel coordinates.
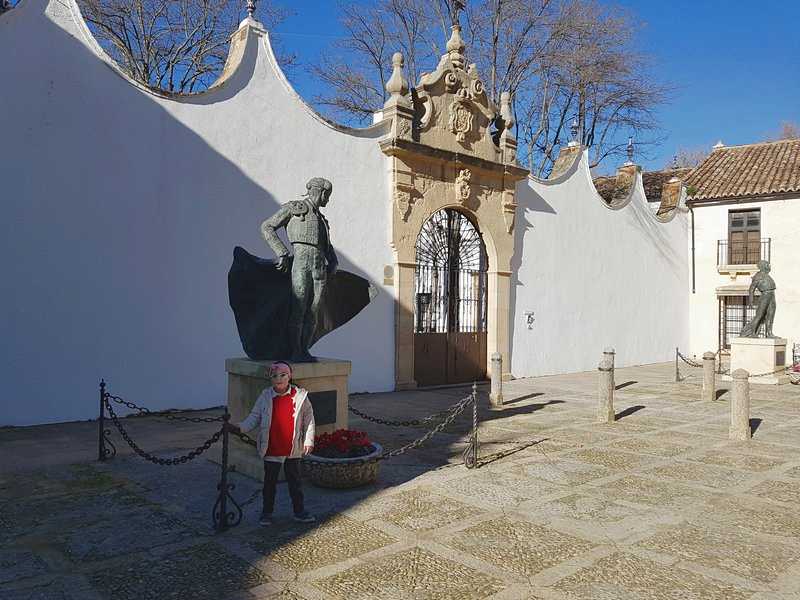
(719, 144)
(573, 130)
(456, 43)
(251, 8)
(674, 162)
(505, 109)
(397, 84)
(629, 151)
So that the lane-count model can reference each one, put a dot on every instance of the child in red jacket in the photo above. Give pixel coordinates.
(285, 421)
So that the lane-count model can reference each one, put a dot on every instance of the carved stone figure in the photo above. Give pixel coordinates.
(463, 188)
(282, 307)
(765, 313)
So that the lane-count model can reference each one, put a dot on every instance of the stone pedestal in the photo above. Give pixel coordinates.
(325, 380)
(760, 355)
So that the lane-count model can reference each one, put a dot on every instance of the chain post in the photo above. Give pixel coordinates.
(474, 424)
(222, 522)
(101, 423)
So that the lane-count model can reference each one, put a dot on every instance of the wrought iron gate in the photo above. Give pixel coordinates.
(450, 301)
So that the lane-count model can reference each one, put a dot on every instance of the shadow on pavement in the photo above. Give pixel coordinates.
(628, 411)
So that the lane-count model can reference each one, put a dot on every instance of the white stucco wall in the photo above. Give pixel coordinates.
(594, 277)
(121, 210)
(780, 221)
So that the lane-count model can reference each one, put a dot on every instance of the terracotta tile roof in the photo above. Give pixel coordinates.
(605, 186)
(747, 171)
(653, 182)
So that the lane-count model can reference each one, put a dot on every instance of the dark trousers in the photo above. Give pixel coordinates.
(291, 467)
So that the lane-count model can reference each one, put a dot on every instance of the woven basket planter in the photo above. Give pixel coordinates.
(342, 473)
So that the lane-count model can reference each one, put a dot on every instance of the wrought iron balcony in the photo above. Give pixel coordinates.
(742, 253)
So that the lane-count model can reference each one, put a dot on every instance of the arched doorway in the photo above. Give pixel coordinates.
(450, 301)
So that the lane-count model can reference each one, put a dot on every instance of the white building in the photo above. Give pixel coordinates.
(745, 207)
(121, 208)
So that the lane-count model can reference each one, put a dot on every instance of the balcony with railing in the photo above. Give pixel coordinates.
(742, 256)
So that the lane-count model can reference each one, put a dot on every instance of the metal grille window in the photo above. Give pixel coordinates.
(734, 312)
(450, 276)
(744, 237)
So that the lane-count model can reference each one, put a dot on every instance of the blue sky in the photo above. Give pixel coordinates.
(735, 64)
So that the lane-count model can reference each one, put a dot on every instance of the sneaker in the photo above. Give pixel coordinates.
(266, 519)
(305, 517)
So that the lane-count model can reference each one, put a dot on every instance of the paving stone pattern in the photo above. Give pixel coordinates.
(659, 505)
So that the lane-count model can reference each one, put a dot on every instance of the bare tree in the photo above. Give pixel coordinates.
(597, 78)
(559, 58)
(176, 46)
(687, 158)
(356, 74)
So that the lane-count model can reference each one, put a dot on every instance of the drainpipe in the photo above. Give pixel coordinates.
(691, 210)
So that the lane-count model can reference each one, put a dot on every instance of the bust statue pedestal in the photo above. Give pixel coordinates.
(759, 355)
(325, 380)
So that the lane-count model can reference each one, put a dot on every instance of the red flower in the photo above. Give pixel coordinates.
(342, 442)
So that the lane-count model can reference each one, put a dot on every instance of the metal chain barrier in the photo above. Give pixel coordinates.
(794, 376)
(784, 371)
(245, 438)
(455, 411)
(689, 361)
(156, 459)
(692, 363)
(166, 414)
(451, 413)
(227, 512)
(697, 365)
(409, 423)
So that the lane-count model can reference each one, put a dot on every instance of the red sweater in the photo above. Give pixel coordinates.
(281, 429)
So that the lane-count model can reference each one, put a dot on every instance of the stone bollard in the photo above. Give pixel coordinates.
(740, 406)
(609, 352)
(709, 392)
(605, 391)
(496, 391)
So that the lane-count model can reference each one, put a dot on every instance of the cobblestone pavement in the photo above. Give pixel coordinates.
(659, 505)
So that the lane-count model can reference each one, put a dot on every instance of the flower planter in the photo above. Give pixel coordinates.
(342, 473)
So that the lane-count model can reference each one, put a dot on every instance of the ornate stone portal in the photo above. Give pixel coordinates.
(450, 147)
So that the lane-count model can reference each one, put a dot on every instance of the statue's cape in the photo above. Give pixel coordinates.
(260, 297)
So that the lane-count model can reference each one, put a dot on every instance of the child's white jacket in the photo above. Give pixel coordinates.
(261, 417)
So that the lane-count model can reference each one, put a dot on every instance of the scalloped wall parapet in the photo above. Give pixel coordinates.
(132, 202)
(628, 184)
(596, 274)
